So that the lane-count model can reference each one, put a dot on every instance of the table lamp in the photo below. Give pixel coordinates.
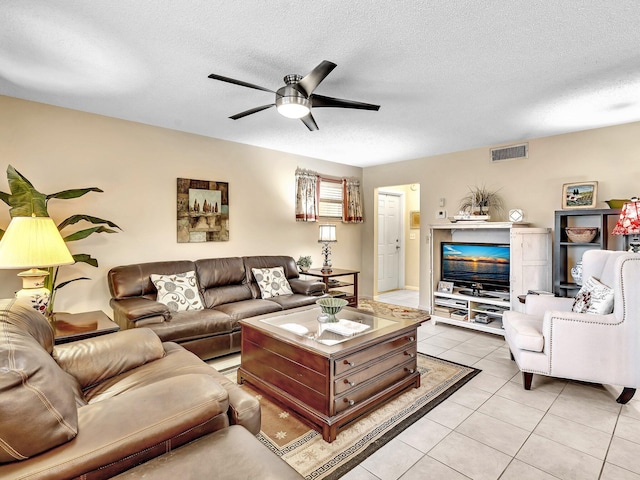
(326, 235)
(33, 243)
(629, 224)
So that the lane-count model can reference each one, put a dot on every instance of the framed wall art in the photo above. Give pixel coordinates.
(414, 219)
(203, 211)
(579, 195)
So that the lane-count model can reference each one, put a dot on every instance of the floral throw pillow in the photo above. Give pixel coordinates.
(272, 282)
(594, 297)
(179, 292)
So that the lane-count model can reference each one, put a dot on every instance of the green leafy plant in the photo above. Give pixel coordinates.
(25, 201)
(304, 261)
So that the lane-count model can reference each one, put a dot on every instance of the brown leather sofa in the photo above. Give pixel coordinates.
(229, 293)
(96, 407)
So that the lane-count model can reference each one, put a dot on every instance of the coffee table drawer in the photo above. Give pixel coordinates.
(352, 397)
(355, 379)
(358, 359)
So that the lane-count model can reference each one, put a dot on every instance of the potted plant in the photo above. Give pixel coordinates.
(304, 263)
(480, 200)
(26, 201)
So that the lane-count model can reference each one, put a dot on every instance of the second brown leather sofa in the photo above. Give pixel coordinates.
(229, 292)
(96, 407)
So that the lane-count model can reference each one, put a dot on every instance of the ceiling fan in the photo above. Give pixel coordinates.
(296, 98)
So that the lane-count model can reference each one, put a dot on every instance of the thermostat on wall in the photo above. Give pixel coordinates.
(516, 215)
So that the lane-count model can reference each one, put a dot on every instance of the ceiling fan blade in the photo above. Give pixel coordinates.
(249, 112)
(310, 122)
(239, 82)
(312, 79)
(322, 101)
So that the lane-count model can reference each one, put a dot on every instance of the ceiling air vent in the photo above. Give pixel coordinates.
(510, 153)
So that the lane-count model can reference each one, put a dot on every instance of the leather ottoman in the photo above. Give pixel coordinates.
(231, 453)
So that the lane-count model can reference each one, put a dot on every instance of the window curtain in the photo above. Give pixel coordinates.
(351, 201)
(307, 194)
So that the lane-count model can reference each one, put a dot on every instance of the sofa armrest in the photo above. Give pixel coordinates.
(135, 309)
(307, 287)
(96, 359)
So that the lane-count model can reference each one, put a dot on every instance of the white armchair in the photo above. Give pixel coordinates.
(550, 339)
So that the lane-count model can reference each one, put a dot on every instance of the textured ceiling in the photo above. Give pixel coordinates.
(448, 75)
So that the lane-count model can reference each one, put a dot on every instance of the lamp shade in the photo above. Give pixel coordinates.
(629, 221)
(33, 242)
(327, 233)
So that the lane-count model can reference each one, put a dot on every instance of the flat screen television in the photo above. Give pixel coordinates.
(480, 266)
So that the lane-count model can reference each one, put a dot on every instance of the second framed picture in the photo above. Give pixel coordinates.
(579, 195)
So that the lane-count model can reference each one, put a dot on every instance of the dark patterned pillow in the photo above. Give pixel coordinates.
(594, 297)
(272, 282)
(179, 292)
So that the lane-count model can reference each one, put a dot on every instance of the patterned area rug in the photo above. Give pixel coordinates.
(387, 310)
(306, 451)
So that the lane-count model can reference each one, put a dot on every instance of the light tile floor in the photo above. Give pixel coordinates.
(493, 429)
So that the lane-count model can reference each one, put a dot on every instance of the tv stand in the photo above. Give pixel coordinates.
(530, 269)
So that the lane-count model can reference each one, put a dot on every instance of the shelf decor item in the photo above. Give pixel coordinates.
(629, 224)
(576, 273)
(330, 307)
(326, 235)
(581, 234)
(616, 202)
(579, 195)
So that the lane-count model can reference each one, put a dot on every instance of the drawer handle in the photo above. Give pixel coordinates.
(411, 355)
(350, 402)
(411, 339)
(410, 370)
(352, 384)
(351, 364)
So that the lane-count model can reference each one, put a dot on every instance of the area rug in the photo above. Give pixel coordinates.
(306, 451)
(387, 310)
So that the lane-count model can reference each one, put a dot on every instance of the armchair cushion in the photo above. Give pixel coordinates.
(526, 332)
(594, 297)
(97, 359)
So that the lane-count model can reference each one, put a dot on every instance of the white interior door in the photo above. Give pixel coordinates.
(389, 245)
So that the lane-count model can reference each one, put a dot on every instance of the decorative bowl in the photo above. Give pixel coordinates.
(616, 202)
(581, 234)
(330, 306)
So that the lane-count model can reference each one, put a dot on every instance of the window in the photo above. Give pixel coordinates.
(330, 204)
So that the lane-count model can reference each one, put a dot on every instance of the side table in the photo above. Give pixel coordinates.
(69, 327)
(329, 279)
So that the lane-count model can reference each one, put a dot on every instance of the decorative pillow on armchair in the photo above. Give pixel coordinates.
(179, 292)
(594, 297)
(272, 282)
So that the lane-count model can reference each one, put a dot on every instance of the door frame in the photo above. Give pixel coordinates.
(402, 253)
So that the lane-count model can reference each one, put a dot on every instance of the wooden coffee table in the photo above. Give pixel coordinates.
(330, 380)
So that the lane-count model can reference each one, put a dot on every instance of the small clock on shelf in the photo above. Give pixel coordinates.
(516, 215)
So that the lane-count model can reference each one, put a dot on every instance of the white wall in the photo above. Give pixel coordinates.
(609, 155)
(137, 166)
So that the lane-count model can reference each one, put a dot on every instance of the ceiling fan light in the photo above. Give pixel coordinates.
(293, 107)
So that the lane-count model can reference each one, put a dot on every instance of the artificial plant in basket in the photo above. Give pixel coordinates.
(26, 201)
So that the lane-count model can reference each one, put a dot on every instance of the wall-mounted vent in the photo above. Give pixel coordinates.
(510, 153)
